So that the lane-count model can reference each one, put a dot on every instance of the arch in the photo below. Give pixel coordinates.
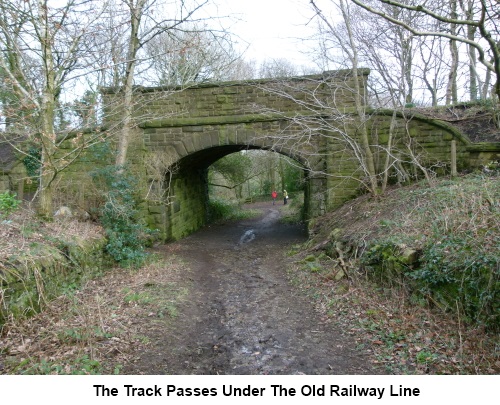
(186, 206)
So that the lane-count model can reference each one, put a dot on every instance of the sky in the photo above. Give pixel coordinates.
(272, 28)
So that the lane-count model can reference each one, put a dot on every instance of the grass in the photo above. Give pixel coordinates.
(453, 229)
(80, 366)
(220, 210)
(42, 260)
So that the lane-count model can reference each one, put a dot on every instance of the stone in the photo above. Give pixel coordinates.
(63, 213)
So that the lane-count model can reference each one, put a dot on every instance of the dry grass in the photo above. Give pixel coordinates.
(99, 328)
(404, 337)
(23, 228)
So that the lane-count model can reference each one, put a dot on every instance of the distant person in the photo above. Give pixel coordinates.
(285, 197)
(274, 195)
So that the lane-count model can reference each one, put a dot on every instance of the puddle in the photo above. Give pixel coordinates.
(248, 236)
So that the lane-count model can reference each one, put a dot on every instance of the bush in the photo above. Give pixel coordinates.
(126, 236)
(220, 210)
(460, 273)
(8, 204)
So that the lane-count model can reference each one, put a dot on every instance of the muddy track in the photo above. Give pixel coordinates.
(242, 316)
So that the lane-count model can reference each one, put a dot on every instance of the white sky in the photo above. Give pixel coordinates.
(273, 28)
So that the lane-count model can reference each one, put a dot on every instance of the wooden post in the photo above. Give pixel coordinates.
(454, 158)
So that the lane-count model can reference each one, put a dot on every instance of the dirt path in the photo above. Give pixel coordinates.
(241, 315)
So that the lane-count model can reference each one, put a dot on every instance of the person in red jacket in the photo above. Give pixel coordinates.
(274, 195)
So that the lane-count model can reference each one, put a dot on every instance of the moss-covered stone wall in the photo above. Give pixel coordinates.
(45, 270)
(196, 126)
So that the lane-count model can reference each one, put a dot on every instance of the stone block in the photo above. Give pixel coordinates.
(157, 137)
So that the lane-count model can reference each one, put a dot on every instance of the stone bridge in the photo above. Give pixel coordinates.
(180, 132)
(311, 119)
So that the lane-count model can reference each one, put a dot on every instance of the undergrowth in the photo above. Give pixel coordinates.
(8, 203)
(53, 260)
(94, 330)
(453, 232)
(118, 213)
(421, 264)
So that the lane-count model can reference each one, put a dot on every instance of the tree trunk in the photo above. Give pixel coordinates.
(369, 162)
(126, 129)
(471, 35)
(451, 90)
(47, 115)
(136, 12)
(388, 156)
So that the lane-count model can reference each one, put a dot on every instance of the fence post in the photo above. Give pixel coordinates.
(454, 158)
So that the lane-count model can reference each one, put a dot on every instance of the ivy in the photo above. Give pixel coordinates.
(456, 271)
(33, 161)
(127, 237)
(8, 203)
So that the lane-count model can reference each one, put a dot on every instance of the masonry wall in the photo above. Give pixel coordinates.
(188, 211)
(429, 142)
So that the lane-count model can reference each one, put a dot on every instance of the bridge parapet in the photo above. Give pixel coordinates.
(236, 101)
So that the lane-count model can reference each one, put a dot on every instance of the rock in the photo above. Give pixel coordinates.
(63, 213)
(409, 256)
(336, 234)
(339, 275)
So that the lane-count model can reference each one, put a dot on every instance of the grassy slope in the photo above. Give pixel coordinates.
(417, 272)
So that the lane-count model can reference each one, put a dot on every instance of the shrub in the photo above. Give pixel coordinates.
(219, 210)
(459, 273)
(8, 204)
(126, 236)
(454, 229)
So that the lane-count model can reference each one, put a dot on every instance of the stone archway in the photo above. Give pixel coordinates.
(186, 208)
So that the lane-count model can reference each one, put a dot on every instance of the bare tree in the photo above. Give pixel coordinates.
(432, 67)
(192, 56)
(43, 48)
(277, 68)
(481, 17)
(335, 123)
(365, 153)
(146, 22)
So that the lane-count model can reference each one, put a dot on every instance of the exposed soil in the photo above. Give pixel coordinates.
(241, 315)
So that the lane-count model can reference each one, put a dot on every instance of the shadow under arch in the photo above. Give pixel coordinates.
(188, 197)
